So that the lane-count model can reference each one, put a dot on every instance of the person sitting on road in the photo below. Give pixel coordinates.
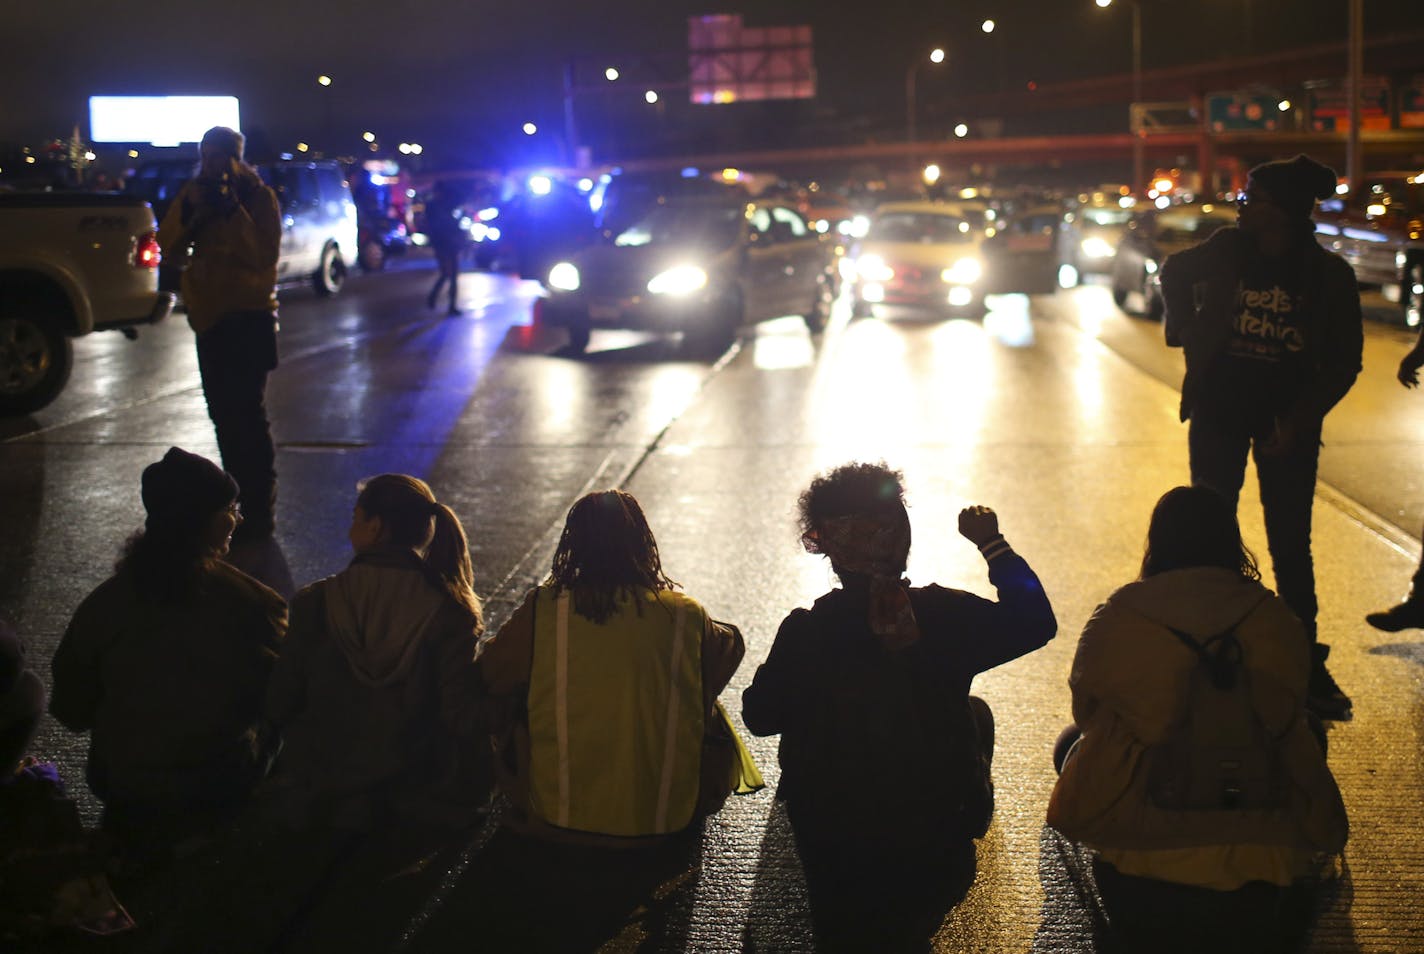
(1174, 875)
(166, 664)
(602, 642)
(375, 694)
(884, 754)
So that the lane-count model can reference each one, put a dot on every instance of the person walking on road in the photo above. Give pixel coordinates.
(1193, 853)
(884, 755)
(447, 240)
(166, 664)
(225, 229)
(1408, 614)
(1272, 331)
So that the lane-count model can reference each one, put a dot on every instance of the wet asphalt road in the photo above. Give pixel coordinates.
(1058, 411)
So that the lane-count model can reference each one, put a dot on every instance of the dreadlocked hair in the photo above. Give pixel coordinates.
(412, 518)
(606, 552)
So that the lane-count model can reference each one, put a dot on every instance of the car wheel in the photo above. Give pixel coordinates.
(820, 312)
(1412, 294)
(36, 357)
(1152, 304)
(373, 257)
(331, 273)
(578, 338)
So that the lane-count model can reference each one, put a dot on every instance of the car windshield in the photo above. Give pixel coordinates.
(710, 226)
(924, 228)
(1192, 221)
(1099, 216)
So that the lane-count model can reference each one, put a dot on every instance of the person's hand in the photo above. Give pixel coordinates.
(978, 524)
(1410, 365)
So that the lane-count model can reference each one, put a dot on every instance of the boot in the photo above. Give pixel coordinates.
(1407, 615)
(1324, 697)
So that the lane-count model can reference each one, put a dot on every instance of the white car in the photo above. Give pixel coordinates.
(919, 258)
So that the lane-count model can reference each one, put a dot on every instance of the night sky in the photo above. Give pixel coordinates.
(462, 76)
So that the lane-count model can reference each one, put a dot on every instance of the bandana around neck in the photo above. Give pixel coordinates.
(875, 546)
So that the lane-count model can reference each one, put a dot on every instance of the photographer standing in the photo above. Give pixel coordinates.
(225, 229)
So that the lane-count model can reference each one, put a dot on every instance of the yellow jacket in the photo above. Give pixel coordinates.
(232, 266)
(609, 718)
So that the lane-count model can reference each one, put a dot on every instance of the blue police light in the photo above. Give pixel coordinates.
(691, 172)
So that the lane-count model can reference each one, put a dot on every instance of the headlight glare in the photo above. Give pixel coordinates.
(966, 271)
(1096, 247)
(872, 268)
(679, 280)
(564, 277)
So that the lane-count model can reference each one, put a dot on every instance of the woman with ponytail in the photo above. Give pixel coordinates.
(375, 693)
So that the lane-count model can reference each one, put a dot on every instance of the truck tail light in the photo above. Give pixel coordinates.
(146, 254)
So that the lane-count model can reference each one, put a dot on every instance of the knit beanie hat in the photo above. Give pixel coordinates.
(183, 489)
(1294, 184)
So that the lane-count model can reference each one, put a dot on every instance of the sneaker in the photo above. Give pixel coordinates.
(1324, 697)
(1407, 615)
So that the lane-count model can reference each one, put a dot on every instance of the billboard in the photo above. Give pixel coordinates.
(732, 63)
(159, 120)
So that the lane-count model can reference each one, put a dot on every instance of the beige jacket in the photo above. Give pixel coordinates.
(1130, 681)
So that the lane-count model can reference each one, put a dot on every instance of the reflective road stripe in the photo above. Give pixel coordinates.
(561, 702)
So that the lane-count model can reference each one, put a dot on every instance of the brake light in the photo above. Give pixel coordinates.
(147, 254)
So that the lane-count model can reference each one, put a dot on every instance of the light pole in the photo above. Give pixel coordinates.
(936, 57)
(1139, 173)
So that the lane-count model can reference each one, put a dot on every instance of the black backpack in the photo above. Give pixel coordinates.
(1218, 756)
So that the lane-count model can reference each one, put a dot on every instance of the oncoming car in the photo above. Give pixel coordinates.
(703, 266)
(918, 257)
(1089, 237)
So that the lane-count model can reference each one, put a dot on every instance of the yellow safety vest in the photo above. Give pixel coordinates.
(615, 714)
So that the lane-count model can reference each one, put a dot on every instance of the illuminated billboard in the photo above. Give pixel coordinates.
(159, 120)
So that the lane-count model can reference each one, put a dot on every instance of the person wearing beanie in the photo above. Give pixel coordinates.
(1272, 332)
(225, 230)
(165, 665)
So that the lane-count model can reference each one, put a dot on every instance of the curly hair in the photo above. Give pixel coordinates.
(856, 488)
(606, 551)
(1195, 527)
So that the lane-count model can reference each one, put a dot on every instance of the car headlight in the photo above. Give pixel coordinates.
(564, 277)
(966, 271)
(1096, 247)
(872, 268)
(679, 280)
(1150, 266)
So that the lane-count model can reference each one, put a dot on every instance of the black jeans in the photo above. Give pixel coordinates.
(234, 358)
(1217, 444)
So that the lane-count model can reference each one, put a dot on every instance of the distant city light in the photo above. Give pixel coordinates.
(530, 129)
(961, 130)
(302, 147)
(1284, 105)
(987, 26)
(133, 153)
(90, 157)
(404, 148)
(650, 96)
(610, 74)
(323, 80)
(368, 136)
(416, 149)
(937, 55)
(932, 173)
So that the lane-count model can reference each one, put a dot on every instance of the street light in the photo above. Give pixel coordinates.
(1138, 172)
(936, 57)
(611, 74)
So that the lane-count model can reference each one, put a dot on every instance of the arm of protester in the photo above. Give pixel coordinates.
(722, 652)
(767, 702)
(1022, 619)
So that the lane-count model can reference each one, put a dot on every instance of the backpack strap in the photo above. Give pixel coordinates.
(1221, 653)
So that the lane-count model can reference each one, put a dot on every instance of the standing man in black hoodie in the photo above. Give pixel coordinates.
(1272, 331)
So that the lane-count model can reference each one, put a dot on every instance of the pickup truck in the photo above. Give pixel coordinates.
(1379, 229)
(70, 264)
